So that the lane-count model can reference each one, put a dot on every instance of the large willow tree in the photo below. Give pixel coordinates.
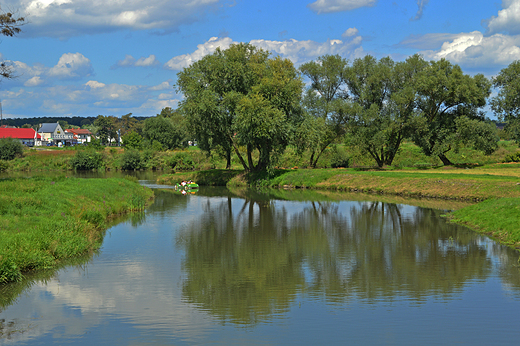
(241, 98)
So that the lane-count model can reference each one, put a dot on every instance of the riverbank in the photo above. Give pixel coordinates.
(495, 186)
(46, 220)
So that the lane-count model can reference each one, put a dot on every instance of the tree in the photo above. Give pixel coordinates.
(240, 97)
(106, 129)
(446, 94)
(10, 148)
(132, 140)
(324, 102)
(383, 104)
(10, 24)
(164, 131)
(506, 104)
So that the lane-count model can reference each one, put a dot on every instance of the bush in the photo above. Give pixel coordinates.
(87, 160)
(4, 165)
(512, 158)
(10, 149)
(181, 161)
(339, 158)
(131, 160)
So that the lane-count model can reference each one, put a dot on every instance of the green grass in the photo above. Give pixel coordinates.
(497, 217)
(46, 220)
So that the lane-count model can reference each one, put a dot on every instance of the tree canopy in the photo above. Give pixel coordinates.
(241, 98)
(506, 104)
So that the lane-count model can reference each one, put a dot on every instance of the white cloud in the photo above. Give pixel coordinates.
(350, 32)
(67, 18)
(94, 84)
(301, 51)
(329, 6)
(150, 61)
(130, 61)
(507, 20)
(34, 81)
(163, 86)
(474, 49)
(71, 66)
(297, 51)
(209, 47)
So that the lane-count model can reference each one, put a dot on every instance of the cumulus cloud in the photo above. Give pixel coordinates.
(72, 66)
(209, 47)
(297, 51)
(130, 61)
(67, 18)
(163, 86)
(474, 49)
(422, 4)
(330, 6)
(507, 20)
(350, 32)
(301, 51)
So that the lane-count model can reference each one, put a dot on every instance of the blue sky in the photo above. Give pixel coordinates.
(113, 57)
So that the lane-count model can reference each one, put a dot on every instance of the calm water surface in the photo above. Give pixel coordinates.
(246, 268)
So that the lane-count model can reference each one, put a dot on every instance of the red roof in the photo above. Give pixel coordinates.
(18, 133)
(79, 131)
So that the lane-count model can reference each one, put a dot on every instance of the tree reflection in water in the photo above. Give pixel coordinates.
(248, 259)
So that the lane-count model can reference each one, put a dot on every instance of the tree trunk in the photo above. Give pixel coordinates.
(228, 159)
(445, 160)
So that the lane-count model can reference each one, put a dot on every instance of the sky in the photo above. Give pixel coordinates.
(114, 57)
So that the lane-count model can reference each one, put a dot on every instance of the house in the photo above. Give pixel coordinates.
(53, 134)
(27, 137)
(81, 136)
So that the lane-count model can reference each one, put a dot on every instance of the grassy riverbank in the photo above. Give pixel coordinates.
(45, 220)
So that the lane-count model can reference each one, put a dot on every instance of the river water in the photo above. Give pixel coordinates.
(274, 268)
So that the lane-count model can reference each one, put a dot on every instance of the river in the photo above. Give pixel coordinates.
(277, 268)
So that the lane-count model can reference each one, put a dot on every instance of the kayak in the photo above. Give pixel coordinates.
(190, 186)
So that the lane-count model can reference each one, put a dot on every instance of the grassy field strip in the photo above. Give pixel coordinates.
(45, 220)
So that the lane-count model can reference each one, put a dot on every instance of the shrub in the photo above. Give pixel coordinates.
(339, 158)
(512, 158)
(87, 160)
(181, 161)
(131, 160)
(10, 149)
(4, 165)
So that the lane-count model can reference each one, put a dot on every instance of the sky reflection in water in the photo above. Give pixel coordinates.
(245, 268)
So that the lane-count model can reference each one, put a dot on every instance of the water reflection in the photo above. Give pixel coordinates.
(191, 268)
(247, 259)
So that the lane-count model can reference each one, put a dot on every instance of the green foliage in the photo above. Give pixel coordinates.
(445, 94)
(131, 160)
(87, 160)
(132, 140)
(106, 128)
(169, 132)
(241, 97)
(96, 144)
(10, 148)
(339, 158)
(4, 165)
(506, 104)
(181, 161)
(324, 102)
(512, 157)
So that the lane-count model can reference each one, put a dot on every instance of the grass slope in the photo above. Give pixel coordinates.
(45, 220)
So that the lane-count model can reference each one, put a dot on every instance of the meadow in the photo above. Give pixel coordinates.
(47, 220)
